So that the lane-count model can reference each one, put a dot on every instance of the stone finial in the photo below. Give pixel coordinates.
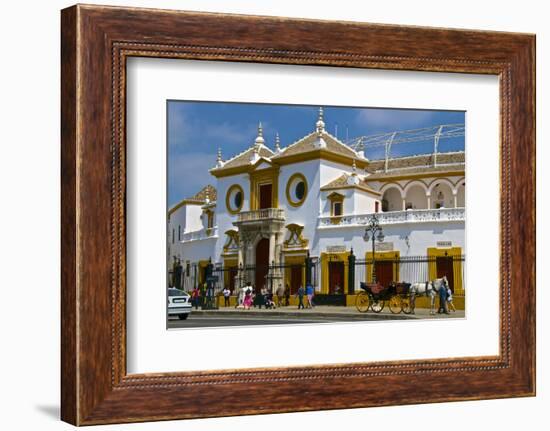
(277, 143)
(320, 123)
(219, 161)
(207, 195)
(260, 138)
(353, 179)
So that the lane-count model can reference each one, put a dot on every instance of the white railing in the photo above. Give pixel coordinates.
(264, 214)
(200, 234)
(395, 217)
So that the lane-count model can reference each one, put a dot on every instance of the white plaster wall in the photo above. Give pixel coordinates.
(364, 202)
(307, 213)
(330, 171)
(192, 217)
(177, 218)
(224, 219)
(421, 236)
(198, 250)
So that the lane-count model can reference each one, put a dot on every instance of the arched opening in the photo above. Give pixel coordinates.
(442, 195)
(461, 195)
(262, 263)
(391, 200)
(416, 197)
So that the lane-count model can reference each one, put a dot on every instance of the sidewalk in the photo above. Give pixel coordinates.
(326, 311)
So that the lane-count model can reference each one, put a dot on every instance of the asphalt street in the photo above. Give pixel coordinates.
(209, 321)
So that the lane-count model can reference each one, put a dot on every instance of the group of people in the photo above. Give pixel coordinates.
(247, 297)
(306, 292)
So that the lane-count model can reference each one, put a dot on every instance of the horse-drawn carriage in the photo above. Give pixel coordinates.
(374, 296)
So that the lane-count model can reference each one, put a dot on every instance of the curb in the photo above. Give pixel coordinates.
(298, 315)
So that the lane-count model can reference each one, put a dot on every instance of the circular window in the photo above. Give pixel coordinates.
(234, 199)
(296, 190)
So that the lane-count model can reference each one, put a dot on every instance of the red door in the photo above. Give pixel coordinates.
(384, 272)
(295, 278)
(336, 278)
(233, 271)
(444, 265)
(266, 191)
(262, 263)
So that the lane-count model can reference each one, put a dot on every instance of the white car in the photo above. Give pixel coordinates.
(179, 303)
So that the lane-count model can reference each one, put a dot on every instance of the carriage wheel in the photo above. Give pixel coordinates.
(377, 305)
(395, 304)
(362, 302)
(406, 306)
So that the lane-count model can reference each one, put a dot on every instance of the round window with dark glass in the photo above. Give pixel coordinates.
(234, 199)
(296, 189)
(300, 190)
(238, 199)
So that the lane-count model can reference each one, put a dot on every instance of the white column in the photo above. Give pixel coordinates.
(240, 257)
(271, 247)
(455, 198)
(404, 203)
(429, 201)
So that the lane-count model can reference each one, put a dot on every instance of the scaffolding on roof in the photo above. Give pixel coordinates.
(427, 134)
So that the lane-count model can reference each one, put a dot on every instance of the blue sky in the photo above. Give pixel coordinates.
(197, 129)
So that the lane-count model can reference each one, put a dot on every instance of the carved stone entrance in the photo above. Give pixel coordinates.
(262, 264)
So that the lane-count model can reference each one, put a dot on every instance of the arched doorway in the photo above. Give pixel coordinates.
(416, 198)
(442, 195)
(392, 201)
(262, 263)
(461, 195)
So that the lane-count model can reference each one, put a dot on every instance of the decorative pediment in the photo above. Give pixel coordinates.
(295, 237)
(232, 242)
(262, 164)
(335, 196)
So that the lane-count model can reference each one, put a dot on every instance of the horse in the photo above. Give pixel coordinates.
(428, 288)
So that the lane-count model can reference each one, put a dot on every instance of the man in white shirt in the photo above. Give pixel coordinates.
(226, 295)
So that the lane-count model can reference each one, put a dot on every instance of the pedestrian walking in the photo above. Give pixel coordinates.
(309, 294)
(300, 294)
(195, 298)
(442, 300)
(280, 293)
(247, 302)
(226, 296)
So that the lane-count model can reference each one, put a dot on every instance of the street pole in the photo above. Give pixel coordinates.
(373, 260)
(373, 232)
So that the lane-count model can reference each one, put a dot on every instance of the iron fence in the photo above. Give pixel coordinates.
(345, 277)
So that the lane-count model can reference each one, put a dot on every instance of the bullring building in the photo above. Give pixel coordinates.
(266, 212)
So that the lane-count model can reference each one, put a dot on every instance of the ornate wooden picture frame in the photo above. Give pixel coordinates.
(96, 42)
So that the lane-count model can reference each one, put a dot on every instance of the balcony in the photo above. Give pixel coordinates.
(395, 217)
(202, 234)
(266, 214)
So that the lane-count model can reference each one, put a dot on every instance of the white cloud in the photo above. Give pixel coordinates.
(188, 174)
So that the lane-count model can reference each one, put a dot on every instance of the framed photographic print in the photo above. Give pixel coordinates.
(275, 212)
